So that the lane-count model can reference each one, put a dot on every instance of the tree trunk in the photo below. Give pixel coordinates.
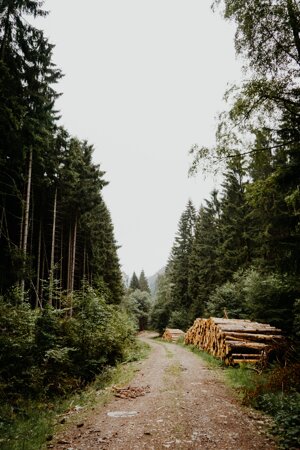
(84, 257)
(61, 264)
(69, 261)
(26, 223)
(51, 278)
(73, 261)
(1, 222)
(38, 271)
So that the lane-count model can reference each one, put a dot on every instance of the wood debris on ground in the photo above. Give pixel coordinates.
(172, 334)
(234, 340)
(130, 391)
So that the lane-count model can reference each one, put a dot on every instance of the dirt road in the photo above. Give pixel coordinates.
(185, 406)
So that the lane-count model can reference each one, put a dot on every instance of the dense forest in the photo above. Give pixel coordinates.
(239, 254)
(65, 313)
(60, 281)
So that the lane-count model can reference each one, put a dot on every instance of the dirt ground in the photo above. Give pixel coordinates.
(185, 406)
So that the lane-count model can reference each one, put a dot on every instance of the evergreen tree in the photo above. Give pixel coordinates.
(162, 307)
(143, 282)
(178, 268)
(134, 283)
(137, 304)
(235, 250)
(204, 274)
(26, 124)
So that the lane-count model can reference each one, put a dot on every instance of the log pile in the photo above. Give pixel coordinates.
(234, 341)
(172, 335)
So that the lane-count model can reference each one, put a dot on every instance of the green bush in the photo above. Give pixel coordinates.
(45, 353)
(285, 410)
(266, 297)
(17, 325)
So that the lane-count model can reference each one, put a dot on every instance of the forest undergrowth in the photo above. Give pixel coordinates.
(52, 363)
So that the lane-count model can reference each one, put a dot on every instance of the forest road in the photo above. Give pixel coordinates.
(187, 406)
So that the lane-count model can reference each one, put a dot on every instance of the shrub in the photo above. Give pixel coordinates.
(285, 410)
(46, 352)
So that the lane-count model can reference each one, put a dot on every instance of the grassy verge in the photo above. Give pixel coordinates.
(33, 423)
(274, 391)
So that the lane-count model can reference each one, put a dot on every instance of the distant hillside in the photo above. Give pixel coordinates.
(153, 278)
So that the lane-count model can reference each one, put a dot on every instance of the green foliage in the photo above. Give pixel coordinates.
(179, 319)
(134, 282)
(209, 359)
(162, 305)
(258, 296)
(179, 263)
(203, 269)
(275, 392)
(17, 325)
(143, 282)
(286, 412)
(228, 297)
(30, 424)
(138, 304)
(47, 352)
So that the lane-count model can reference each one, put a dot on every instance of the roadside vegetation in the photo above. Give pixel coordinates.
(273, 390)
(29, 423)
(238, 254)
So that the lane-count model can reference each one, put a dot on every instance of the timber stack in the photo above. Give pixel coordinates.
(172, 335)
(234, 341)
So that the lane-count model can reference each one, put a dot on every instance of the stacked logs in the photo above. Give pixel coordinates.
(234, 341)
(172, 335)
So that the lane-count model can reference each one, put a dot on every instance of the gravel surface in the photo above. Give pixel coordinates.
(185, 406)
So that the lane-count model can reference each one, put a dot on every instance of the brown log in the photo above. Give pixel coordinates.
(254, 337)
(246, 344)
(245, 361)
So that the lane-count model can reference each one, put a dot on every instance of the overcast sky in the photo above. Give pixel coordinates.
(144, 81)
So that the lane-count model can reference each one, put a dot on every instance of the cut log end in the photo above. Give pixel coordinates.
(234, 341)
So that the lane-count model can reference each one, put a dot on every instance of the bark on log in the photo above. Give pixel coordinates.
(234, 340)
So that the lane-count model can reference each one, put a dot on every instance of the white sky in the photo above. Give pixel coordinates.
(144, 80)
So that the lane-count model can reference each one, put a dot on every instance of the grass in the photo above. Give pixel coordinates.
(174, 369)
(210, 360)
(34, 422)
(274, 391)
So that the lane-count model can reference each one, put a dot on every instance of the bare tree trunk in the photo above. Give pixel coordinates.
(61, 264)
(38, 272)
(26, 223)
(21, 227)
(73, 251)
(84, 277)
(51, 280)
(1, 222)
(42, 283)
(69, 261)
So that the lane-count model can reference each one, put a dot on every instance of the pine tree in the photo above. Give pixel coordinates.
(162, 307)
(134, 282)
(204, 274)
(143, 282)
(101, 265)
(26, 124)
(235, 250)
(179, 266)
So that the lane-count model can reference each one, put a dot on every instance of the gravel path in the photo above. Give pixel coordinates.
(186, 407)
